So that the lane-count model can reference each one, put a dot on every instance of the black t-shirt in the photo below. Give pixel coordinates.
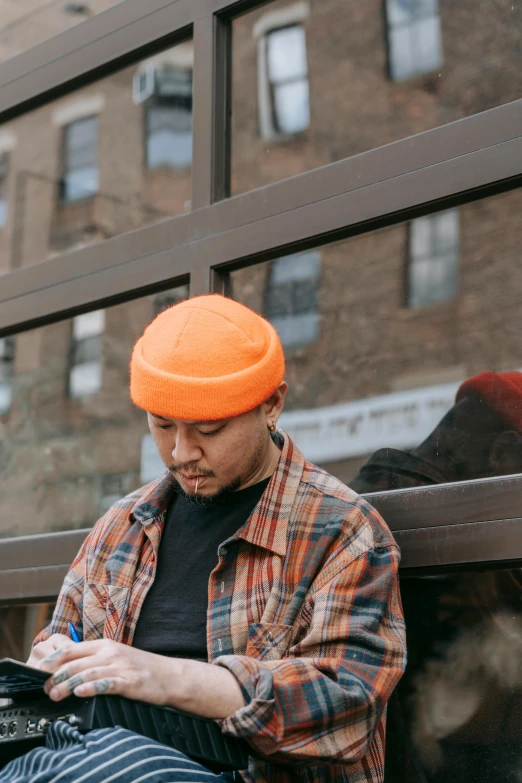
(173, 619)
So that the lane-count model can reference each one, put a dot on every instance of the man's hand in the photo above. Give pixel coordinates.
(43, 649)
(106, 667)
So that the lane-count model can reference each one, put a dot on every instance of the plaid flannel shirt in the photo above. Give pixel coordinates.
(304, 610)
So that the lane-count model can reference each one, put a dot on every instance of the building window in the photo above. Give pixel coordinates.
(80, 175)
(169, 118)
(291, 301)
(284, 101)
(85, 374)
(3, 189)
(433, 274)
(414, 37)
(7, 354)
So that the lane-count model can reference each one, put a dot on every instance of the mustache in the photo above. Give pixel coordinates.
(188, 468)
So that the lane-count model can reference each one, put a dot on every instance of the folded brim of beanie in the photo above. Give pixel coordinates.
(501, 391)
(206, 399)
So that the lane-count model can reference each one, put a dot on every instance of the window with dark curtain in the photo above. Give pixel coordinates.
(7, 355)
(80, 174)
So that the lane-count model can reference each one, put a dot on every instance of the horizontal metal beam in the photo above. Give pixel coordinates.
(418, 153)
(450, 504)
(442, 525)
(245, 227)
(31, 585)
(49, 549)
(495, 541)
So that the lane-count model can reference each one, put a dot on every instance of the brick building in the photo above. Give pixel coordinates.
(378, 329)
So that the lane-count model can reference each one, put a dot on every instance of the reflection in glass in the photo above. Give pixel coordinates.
(315, 82)
(377, 352)
(70, 438)
(104, 160)
(455, 717)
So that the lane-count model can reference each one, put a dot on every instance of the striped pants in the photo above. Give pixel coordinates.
(104, 756)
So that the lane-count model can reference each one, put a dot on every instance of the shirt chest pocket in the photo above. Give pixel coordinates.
(268, 641)
(104, 611)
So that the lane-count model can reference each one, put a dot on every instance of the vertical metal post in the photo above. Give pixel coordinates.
(211, 136)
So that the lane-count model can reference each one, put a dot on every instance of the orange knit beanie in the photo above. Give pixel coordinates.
(204, 359)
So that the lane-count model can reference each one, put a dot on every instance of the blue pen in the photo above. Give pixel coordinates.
(73, 632)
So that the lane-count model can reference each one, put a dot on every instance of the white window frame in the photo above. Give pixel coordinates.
(425, 247)
(413, 28)
(295, 14)
(306, 266)
(85, 378)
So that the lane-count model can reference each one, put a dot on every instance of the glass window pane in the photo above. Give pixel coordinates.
(80, 183)
(71, 440)
(372, 77)
(90, 165)
(298, 266)
(374, 377)
(291, 107)
(286, 54)
(400, 12)
(455, 714)
(169, 148)
(88, 324)
(427, 44)
(85, 379)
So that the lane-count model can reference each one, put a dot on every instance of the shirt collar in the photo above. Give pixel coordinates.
(154, 499)
(267, 525)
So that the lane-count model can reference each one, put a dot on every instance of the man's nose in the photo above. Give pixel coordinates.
(186, 449)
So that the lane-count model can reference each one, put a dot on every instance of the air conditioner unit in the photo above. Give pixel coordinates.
(162, 81)
(143, 83)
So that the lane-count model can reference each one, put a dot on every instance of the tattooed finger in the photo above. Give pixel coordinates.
(60, 677)
(74, 682)
(53, 656)
(102, 686)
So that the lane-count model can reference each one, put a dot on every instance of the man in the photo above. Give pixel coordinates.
(480, 436)
(245, 585)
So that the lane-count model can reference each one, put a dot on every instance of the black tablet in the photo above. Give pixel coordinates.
(16, 677)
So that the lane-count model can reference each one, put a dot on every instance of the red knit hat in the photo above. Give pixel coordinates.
(204, 359)
(502, 391)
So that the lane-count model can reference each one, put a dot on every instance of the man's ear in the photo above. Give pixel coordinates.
(275, 403)
(505, 456)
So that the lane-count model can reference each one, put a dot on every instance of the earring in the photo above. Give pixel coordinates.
(273, 426)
